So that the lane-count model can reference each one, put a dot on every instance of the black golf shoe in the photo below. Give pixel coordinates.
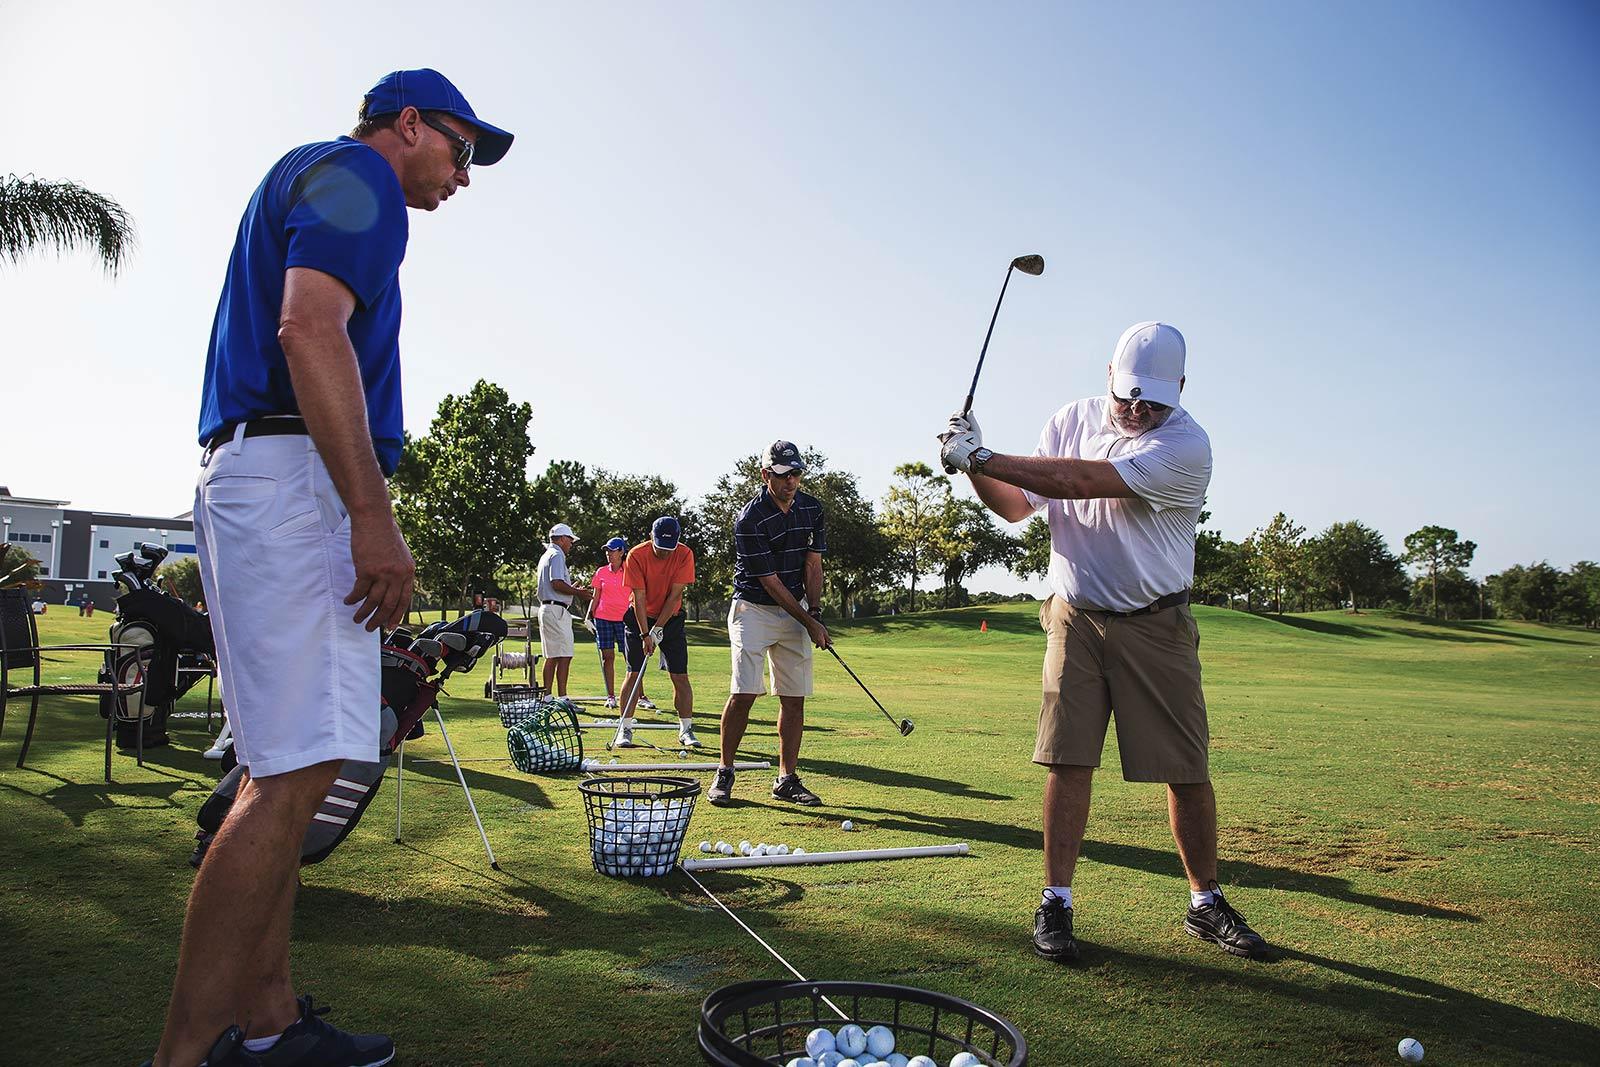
(311, 1042)
(228, 1051)
(721, 791)
(788, 788)
(1052, 931)
(1220, 924)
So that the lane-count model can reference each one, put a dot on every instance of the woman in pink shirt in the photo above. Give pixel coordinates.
(606, 610)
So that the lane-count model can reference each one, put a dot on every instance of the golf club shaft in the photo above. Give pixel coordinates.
(863, 686)
(966, 408)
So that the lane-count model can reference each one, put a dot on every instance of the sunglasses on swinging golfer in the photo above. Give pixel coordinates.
(1123, 402)
(464, 147)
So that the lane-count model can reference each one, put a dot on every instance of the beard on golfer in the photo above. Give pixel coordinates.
(775, 619)
(1122, 478)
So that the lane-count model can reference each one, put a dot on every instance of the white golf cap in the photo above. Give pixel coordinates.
(1148, 363)
(561, 529)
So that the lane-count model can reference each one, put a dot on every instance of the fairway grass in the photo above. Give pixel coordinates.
(1409, 809)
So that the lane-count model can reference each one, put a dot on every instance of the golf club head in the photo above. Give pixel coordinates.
(906, 726)
(1029, 264)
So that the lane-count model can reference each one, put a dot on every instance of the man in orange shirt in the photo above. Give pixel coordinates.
(656, 573)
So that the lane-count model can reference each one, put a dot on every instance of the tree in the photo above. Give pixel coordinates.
(17, 568)
(1530, 592)
(1579, 597)
(974, 541)
(1033, 555)
(1280, 556)
(462, 494)
(37, 214)
(916, 520)
(1449, 595)
(1353, 561)
(184, 576)
(858, 552)
(519, 581)
(566, 492)
(1435, 549)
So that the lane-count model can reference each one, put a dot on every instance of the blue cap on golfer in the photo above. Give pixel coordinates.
(616, 544)
(664, 533)
(428, 90)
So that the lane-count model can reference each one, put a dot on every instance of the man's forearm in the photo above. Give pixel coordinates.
(785, 599)
(1056, 478)
(814, 582)
(327, 386)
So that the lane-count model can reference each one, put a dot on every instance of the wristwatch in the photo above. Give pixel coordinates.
(980, 456)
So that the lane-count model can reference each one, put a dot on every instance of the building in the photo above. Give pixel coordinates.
(77, 550)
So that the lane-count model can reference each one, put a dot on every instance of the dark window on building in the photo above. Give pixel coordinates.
(102, 574)
(105, 544)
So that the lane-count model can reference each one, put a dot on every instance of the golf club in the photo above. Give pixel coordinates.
(905, 726)
(1031, 264)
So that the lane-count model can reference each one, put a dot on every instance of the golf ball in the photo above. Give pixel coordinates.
(921, 1061)
(802, 1061)
(965, 1059)
(830, 1058)
(847, 825)
(896, 1059)
(780, 850)
(799, 852)
(849, 1063)
(850, 1040)
(880, 1041)
(724, 848)
(819, 1041)
(1411, 1050)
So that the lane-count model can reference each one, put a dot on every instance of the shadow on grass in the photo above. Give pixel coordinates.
(1005, 622)
(78, 800)
(438, 768)
(1345, 629)
(900, 779)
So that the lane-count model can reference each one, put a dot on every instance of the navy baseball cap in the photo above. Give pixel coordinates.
(781, 457)
(665, 531)
(428, 90)
(616, 544)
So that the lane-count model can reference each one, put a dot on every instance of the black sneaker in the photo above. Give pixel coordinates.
(1052, 930)
(227, 1052)
(314, 1043)
(1219, 923)
(721, 792)
(789, 788)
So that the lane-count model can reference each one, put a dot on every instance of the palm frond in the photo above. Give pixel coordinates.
(62, 215)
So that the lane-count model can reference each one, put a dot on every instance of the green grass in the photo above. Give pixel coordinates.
(1411, 809)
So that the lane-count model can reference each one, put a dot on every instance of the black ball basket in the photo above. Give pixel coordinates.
(543, 738)
(764, 1024)
(637, 825)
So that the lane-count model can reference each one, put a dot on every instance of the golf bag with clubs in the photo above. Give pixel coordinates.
(173, 648)
(409, 691)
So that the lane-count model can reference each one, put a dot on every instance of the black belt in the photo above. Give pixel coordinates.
(557, 603)
(1171, 600)
(269, 427)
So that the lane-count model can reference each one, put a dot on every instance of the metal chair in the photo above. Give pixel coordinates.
(20, 650)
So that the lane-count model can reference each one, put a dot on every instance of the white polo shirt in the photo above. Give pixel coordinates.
(1122, 553)
(553, 565)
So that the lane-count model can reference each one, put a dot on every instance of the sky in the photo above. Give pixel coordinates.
(724, 223)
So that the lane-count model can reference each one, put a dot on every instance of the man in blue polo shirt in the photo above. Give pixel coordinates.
(300, 420)
(778, 540)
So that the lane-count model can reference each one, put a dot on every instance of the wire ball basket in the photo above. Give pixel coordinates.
(542, 735)
(637, 825)
(765, 1024)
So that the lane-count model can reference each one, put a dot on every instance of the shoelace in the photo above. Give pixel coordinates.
(1055, 915)
(1228, 920)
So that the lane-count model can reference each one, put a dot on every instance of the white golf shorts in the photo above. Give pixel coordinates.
(763, 634)
(555, 631)
(301, 676)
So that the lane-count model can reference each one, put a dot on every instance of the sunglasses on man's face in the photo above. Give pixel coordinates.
(464, 147)
(1123, 402)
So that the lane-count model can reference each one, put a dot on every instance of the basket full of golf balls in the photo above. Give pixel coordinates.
(799, 1024)
(542, 735)
(637, 825)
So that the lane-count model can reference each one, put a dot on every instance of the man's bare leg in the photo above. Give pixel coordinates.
(233, 964)
(1066, 815)
(682, 695)
(1192, 811)
(735, 718)
(563, 665)
(791, 727)
(549, 673)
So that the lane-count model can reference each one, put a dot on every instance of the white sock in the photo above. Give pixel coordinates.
(1062, 891)
(1199, 898)
(261, 1044)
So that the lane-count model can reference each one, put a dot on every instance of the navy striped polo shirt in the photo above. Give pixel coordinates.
(769, 540)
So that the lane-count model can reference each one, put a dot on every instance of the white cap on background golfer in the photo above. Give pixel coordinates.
(561, 529)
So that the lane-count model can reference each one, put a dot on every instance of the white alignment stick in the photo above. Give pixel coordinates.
(856, 855)
(602, 767)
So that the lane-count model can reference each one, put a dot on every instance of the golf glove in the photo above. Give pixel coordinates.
(588, 624)
(967, 423)
(657, 633)
(957, 450)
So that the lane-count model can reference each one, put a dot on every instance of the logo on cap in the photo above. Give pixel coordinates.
(1136, 391)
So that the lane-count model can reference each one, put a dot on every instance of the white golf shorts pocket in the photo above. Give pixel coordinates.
(301, 676)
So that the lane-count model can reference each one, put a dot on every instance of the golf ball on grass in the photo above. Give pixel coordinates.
(847, 825)
(850, 1040)
(799, 852)
(1411, 1050)
(705, 846)
(965, 1059)
(880, 1042)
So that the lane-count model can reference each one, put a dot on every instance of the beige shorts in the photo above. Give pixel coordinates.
(1145, 671)
(555, 631)
(764, 633)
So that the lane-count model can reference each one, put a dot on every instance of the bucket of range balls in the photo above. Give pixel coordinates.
(542, 735)
(637, 825)
(797, 1024)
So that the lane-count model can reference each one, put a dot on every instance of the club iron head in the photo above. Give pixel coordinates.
(1029, 264)
(906, 726)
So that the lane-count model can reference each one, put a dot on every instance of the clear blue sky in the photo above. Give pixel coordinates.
(1376, 224)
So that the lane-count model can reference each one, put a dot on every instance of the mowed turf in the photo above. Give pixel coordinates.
(1410, 809)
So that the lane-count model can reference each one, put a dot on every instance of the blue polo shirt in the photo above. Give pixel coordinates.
(769, 540)
(337, 207)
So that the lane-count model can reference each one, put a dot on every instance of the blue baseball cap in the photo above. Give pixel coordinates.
(428, 90)
(616, 544)
(665, 531)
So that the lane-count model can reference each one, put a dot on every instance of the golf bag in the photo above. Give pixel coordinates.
(168, 635)
(408, 693)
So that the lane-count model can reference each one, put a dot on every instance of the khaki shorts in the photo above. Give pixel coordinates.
(763, 633)
(555, 631)
(1144, 670)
